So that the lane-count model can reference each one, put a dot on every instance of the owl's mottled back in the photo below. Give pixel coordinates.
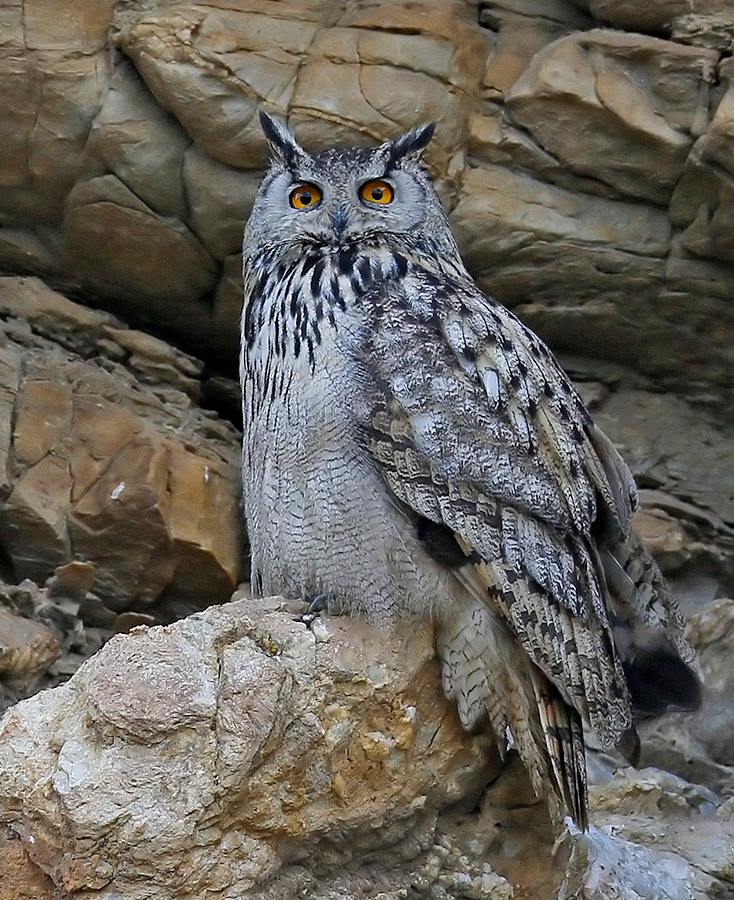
(412, 449)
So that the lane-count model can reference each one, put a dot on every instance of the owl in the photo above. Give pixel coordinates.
(412, 450)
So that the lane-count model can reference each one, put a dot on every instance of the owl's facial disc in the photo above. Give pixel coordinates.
(340, 197)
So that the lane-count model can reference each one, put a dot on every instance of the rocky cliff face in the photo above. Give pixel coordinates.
(588, 169)
(585, 151)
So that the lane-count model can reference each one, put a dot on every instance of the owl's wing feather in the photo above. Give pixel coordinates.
(475, 427)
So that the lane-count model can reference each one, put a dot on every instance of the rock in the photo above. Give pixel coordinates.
(505, 222)
(220, 199)
(92, 333)
(699, 746)
(169, 264)
(639, 129)
(26, 647)
(261, 752)
(660, 15)
(627, 854)
(702, 199)
(102, 464)
(270, 760)
(131, 153)
(20, 878)
(133, 138)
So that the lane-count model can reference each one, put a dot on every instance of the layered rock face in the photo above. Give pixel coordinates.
(585, 151)
(101, 465)
(588, 170)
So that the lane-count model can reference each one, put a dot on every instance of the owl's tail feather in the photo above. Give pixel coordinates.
(563, 735)
(491, 678)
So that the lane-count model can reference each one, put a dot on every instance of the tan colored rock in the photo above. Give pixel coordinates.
(180, 64)
(706, 29)
(220, 199)
(506, 221)
(132, 478)
(129, 175)
(19, 877)
(27, 648)
(49, 24)
(249, 738)
(135, 140)
(639, 127)
(47, 631)
(674, 445)
(49, 100)
(162, 259)
(522, 27)
(92, 333)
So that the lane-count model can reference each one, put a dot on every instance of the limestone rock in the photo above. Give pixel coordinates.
(269, 760)
(131, 153)
(263, 755)
(102, 465)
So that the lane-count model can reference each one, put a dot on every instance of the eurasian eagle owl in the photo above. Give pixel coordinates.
(412, 449)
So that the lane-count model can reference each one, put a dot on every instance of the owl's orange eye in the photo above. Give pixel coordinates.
(376, 191)
(304, 196)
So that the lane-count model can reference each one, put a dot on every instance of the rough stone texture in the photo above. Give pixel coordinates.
(701, 747)
(106, 458)
(273, 761)
(130, 154)
(261, 753)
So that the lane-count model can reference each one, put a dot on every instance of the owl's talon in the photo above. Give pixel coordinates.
(314, 609)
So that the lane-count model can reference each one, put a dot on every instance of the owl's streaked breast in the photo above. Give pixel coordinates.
(306, 475)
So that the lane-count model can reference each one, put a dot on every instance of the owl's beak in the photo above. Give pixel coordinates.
(339, 220)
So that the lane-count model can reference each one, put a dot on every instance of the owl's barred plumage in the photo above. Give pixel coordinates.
(412, 449)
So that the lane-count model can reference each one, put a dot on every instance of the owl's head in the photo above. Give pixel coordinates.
(343, 197)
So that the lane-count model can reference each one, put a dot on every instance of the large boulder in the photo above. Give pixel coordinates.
(239, 752)
(232, 751)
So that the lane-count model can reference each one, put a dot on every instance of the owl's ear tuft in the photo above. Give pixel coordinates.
(283, 146)
(409, 146)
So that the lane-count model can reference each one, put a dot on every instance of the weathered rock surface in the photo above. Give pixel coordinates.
(104, 457)
(262, 755)
(589, 170)
(700, 747)
(239, 752)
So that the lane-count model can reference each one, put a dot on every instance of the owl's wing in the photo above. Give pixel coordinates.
(478, 432)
